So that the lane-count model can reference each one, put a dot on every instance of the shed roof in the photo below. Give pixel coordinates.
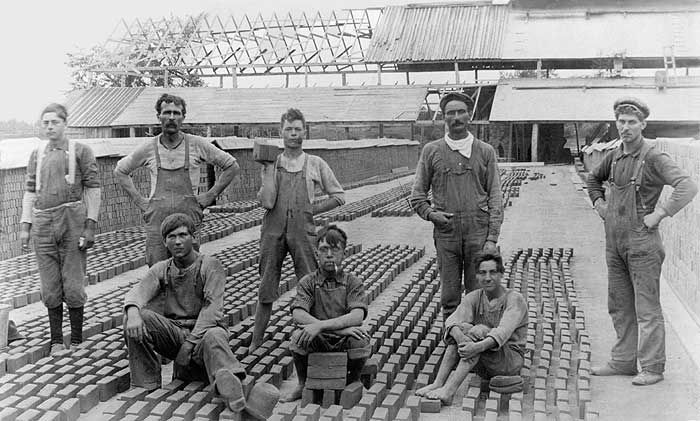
(584, 99)
(98, 107)
(438, 32)
(256, 105)
(231, 143)
(464, 32)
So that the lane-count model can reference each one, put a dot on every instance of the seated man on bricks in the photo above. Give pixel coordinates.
(329, 308)
(485, 334)
(189, 330)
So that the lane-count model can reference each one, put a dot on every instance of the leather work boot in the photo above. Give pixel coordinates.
(646, 378)
(608, 370)
(230, 388)
(57, 349)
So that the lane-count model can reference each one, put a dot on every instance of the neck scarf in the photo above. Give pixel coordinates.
(463, 146)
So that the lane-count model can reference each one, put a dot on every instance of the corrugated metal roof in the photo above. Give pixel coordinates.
(461, 32)
(438, 33)
(592, 99)
(98, 107)
(577, 34)
(254, 105)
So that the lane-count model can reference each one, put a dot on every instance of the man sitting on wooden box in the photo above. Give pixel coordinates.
(485, 334)
(329, 308)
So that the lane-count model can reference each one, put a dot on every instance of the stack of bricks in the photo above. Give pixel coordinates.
(681, 234)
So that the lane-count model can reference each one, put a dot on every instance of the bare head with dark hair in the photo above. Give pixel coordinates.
(291, 115)
(59, 109)
(171, 99)
(333, 235)
(174, 221)
(485, 256)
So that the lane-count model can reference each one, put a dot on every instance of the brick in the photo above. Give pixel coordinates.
(413, 404)
(392, 403)
(185, 410)
(351, 395)
(430, 405)
(50, 416)
(178, 396)
(333, 413)
(28, 402)
(139, 408)
(328, 398)
(312, 412)
(108, 387)
(29, 414)
(381, 414)
(379, 390)
(209, 411)
(133, 394)
(49, 404)
(70, 409)
(163, 409)
(287, 410)
(112, 408)
(89, 397)
(359, 413)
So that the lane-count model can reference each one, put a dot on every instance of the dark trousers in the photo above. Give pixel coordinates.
(210, 355)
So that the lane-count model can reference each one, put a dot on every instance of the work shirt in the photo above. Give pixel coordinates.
(327, 298)
(505, 315)
(202, 152)
(193, 296)
(431, 173)
(54, 168)
(658, 171)
(320, 179)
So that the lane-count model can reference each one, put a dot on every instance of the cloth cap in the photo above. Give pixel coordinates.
(634, 103)
(454, 96)
(262, 400)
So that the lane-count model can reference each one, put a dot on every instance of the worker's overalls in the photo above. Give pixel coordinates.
(458, 244)
(182, 294)
(173, 194)
(634, 255)
(287, 227)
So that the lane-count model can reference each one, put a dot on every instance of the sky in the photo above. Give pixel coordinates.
(35, 37)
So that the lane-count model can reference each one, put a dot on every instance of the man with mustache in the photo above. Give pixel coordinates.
(636, 172)
(174, 159)
(467, 208)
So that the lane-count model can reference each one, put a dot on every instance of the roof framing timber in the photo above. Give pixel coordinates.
(209, 45)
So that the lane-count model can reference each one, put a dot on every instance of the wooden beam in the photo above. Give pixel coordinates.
(456, 72)
(533, 142)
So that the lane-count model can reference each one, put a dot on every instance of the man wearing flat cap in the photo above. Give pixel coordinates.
(466, 208)
(636, 172)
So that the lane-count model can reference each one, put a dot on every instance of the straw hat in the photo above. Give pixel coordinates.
(262, 400)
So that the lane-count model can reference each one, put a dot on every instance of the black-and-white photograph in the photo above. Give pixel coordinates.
(323, 210)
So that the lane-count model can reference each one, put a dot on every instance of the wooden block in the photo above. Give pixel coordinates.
(328, 398)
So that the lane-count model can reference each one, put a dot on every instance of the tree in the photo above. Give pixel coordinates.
(164, 47)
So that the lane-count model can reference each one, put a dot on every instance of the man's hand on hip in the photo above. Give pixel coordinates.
(441, 219)
(652, 220)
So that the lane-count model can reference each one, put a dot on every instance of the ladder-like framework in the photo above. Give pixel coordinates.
(215, 46)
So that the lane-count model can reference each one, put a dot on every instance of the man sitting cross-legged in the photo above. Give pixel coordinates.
(485, 334)
(329, 308)
(188, 327)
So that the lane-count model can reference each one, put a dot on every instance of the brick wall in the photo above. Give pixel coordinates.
(118, 212)
(681, 234)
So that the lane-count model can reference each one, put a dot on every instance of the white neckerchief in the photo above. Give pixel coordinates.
(463, 146)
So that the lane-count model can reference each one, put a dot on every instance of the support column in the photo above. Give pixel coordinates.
(234, 77)
(344, 79)
(476, 75)
(306, 76)
(221, 81)
(132, 131)
(208, 130)
(408, 78)
(533, 143)
(286, 80)
(456, 72)
(379, 74)
(166, 78)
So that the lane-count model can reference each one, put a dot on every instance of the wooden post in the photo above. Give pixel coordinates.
(166, 78)
(221, 81)
(306, 76)
(539, 69)
(533, 143)
(132, 131)
(476, 75)
(286, 80)
(344, 79)
(208, 130)
(381, 130)
(379, 74)
(408, 78)
(456, 72)
(234, 76)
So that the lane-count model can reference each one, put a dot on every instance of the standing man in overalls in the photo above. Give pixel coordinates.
(59, 211)
(289, 186)
(467, 208)
(174, 159)
(637, 172)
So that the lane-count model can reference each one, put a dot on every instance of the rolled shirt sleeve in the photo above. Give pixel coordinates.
(514, 316)
(464, 313)
(215, 156)
(356, 296)
(304, 298)
(599, 174)
(212, 311)
(88, 167)
(329, 183)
